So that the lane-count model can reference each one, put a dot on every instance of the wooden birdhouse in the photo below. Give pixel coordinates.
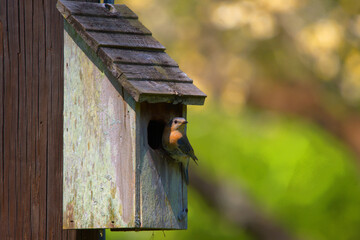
(120, 89)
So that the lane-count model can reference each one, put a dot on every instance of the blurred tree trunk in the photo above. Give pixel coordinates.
(232, 204)
(311, 102)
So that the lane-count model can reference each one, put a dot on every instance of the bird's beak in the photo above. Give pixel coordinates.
(185, 122)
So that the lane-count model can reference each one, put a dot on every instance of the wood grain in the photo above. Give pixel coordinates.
(42, 123)
(154, 91)
(101, 24)
(162, 187)
(28, 52)
(117, 40)
(99, 142)
(55, 107)
(158, 73)
(3, 200)
(68, 8)
(115, 55)
(31, 96)
(10, 119)
(21, 143)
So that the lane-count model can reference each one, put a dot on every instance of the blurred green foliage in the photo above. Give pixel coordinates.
(293, 170)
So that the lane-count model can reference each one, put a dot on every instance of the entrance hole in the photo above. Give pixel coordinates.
(154, 132)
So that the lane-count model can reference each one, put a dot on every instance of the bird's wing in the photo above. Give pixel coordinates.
(185, 147)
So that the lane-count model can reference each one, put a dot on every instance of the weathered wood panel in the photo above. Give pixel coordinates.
(101, 24)
(115, 55)
(155, 73)
(117, 40)
(99, 143)
(162, 186)
(101, 10)
(154, 91)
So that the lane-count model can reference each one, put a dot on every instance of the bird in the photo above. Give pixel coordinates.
(177, 145)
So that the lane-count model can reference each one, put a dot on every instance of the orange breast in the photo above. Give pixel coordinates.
(174, 137)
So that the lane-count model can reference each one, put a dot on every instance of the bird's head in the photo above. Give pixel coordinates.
(178, 123)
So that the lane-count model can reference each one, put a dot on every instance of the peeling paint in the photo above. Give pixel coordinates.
(92, 159)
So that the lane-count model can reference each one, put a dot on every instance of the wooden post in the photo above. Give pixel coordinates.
(31, 105)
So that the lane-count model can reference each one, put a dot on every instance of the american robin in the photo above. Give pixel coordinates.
(176, 143)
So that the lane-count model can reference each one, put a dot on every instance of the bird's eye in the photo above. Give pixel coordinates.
(175, 121)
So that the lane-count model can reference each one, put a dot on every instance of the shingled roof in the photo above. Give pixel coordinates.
(130, 53)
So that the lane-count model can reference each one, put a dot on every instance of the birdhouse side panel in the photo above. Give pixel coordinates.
(99, 146)
(162, 186)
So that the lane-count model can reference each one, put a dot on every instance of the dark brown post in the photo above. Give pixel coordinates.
(31, 104)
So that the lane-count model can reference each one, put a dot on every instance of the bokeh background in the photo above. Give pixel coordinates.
(279, 136)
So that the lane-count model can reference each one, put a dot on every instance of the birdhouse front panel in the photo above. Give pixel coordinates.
(99, 146)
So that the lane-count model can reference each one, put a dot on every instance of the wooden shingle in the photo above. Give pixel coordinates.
(130, 53)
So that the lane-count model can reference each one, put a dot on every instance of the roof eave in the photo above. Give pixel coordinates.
(173, 99)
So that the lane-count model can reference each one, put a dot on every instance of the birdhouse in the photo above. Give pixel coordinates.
(120, 89)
